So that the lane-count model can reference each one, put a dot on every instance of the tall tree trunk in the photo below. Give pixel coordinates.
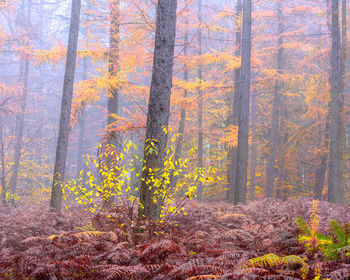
(3, 171)
(281, 192)
(24, 74)
(342, 126)
(274, 137)
(81, 141)
(113, 65)
(200, 104)
(243, 127)
(66, 107)
(232, 152)
(333, 187)
(178, 149)
(253, 158)
(158, 106)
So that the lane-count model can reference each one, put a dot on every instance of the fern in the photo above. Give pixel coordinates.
(266, 261)
(272, 261)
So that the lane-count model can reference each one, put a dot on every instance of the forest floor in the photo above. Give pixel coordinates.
(214, 239)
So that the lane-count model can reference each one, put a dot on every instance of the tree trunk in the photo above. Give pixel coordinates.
(66, 106)
(274, 137)
(81, 141)
(333, 187)
(320, 173)
(200, 104)
(24, 74)
(342, 125)
(3, 171)
(232, 152)
(253, 159)
(281, 192)
(178, 150)
(113, 65)
(158, 106)
(243, 127)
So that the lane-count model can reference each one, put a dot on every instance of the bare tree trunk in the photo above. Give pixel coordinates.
(342, 125)
(232, 152)
(281, 193)
(200, 104)
(20, 117)
(66, 107)
(243, 128)
(178, 150)
(253, 159)
(81, 141)
(333, 187)
(320, 173)
(271, 163)
(113, 99)
(158, 106)
(4, 187)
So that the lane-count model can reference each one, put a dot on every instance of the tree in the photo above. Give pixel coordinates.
(333, 187)
(243, 126)
(200, 104)
(235, 109)
(23, 76)
(274, 137)
(66, 106)
(182, 123)
(159, 105)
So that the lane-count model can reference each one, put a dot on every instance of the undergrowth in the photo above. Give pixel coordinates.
(214, 241)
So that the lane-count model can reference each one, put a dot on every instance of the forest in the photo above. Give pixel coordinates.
(174, 139)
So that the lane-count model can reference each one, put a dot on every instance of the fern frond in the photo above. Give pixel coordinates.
(303, 226)
(203, 277)
(266, 261)
(296, 263)
(339, 232)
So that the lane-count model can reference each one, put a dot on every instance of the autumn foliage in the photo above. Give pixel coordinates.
(214, 241)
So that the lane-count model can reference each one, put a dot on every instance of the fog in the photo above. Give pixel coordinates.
(114, 109)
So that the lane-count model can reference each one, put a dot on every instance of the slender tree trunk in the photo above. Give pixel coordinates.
(333, 187)
(178, 150)
(113, 98)
(253, 158)
(342, 126)
(281, 192)
(21, 116)
(3, 171)
(200, 104)
(243, 127)
(81, 141)
(271, 163)
(66, 106)
(158, 106)
(232, 152)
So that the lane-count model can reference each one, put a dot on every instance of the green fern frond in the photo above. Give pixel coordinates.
(339, 232)
(303, 226)
(266, 261)
(296, 263)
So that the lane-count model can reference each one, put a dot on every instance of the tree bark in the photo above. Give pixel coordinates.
(158, 106)
(24, 75)
(113, 69)
(333, 186)
(200, 104)
(81, 141)
(178, 149)
(342, 125)
(66, 107)
(243, 127)
(253, 158)
(274, 137)
(232, 151)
